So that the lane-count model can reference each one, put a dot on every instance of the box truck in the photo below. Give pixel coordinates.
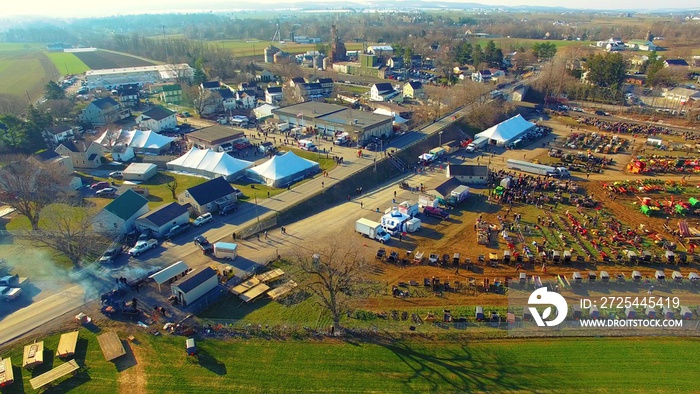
(478, 143)
(372, 230)
(539, 169)
(459, 194)
(225, 250)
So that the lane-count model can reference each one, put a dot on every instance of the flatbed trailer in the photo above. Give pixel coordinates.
(54, 374)
(33, 355)
(67, 344)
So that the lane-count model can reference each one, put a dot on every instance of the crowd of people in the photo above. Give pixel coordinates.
(528, 189)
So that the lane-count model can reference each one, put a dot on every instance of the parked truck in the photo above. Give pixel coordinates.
(9, 293)
(372, 230)
(225, 250)
(539, 169)
(459, 194)
(426, 200)
(478, 143)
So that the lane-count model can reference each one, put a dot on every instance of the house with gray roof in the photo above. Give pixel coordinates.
(104, 111)
(208, 196)
(119, 216)
(158, 119)
(163, 218)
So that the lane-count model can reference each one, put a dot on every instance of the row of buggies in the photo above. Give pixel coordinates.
(659, 275)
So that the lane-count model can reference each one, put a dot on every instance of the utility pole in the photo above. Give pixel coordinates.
(165, 43)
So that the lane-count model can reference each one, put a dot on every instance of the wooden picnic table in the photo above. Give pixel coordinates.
(7, 376)
(33, 355)
(282, 290)
(54, 374)
(67, 343)
(111, 345)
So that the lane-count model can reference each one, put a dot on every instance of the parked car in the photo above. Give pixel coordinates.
(226, 209)
(203, 243)
(116, 174)
(106, 192)
(99, 185)
(143, 246)
(177, 230)
(266, 147)
(601, 113)
(110, 254)
(202, 219)
(10, 281)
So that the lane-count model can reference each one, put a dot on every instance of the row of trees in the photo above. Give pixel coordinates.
(490, 55)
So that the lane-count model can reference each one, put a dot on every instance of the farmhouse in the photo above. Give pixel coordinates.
(140, 75)
(413, 90)
(274, 95)
(676, 63)
(119, 215)
(483, 76)
(158, 119)
(194, 285)
(61, 132)
(208, 196)
(213, 137)
(48, 156)
(468, 174)
(128, 95)
(332, 118)
(160, 220)
(82, 154)
(103, 111)
(382, 92)
(171, 94)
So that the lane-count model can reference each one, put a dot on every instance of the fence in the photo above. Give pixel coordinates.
(257, 227)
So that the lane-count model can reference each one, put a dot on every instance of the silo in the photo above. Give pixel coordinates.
(269, 54)
(326, 63)
(318, 61)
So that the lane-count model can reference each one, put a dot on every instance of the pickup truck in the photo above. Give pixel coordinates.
(204, 244)
(143, 246)
(436, 212)
(10, 293)
(10, 281)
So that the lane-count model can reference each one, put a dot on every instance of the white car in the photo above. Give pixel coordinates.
(205, 218)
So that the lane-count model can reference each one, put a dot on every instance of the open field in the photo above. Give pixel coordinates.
(99, 60)
(384, 366)
(25, 72)
(15, 46)
(256, 48)
(67, 63)
(508, 43)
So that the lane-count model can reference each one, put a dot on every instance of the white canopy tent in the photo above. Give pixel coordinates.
(506, 131)
(206, 162)
(398, 120)
(144, 141)
(283, 170)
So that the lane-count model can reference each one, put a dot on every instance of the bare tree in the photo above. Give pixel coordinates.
(172, 186)
(335, 275)
(69, 231)
(30, 186)
(111, 136)
(203, 100)
(59, 109)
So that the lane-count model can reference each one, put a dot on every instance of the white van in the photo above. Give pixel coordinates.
(307, 145)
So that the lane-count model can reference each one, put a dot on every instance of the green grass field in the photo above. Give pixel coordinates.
(25, 72)
(67, 63)
(256, 48)
(390, 366)
(507, 43)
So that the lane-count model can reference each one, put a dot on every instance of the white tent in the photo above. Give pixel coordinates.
(283, 170)
(210, 164)
(398, 120)
(264, 111)
(506, 131)
(144, 141)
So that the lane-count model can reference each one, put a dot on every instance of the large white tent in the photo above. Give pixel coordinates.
(506, 131)
(283, 170)
(206, 162)
(143, 141)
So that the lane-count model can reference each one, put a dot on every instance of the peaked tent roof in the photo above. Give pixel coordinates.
(140, 139)
(283, 166)
(126, 205)
(507, 129)
(219, 163)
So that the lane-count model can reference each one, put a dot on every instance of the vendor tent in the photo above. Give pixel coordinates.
(506, 131)
(206, 162)
(283, 170)
(143, 141)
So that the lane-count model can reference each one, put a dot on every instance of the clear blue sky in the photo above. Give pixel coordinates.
(80, 8)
